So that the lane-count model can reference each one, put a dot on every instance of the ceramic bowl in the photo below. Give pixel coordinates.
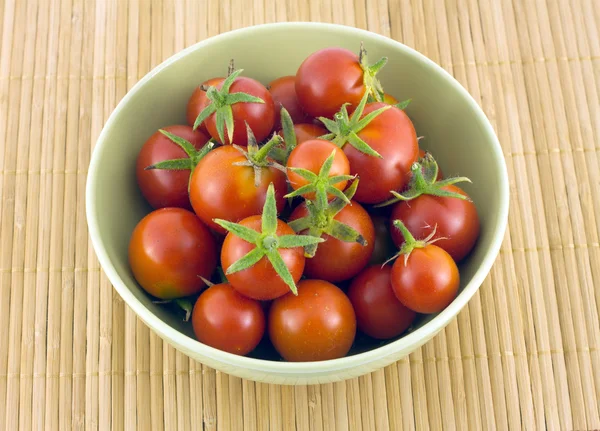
(456, 131)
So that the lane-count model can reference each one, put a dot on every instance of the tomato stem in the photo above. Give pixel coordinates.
(374, 90)
(424, 182)
(267, 242)
(289, 138)
(410, 243)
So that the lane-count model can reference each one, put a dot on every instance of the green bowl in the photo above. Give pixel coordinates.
(456, 131)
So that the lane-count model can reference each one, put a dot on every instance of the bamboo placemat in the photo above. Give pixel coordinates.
(524, 353)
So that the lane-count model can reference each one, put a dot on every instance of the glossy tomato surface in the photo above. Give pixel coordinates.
(311, 155)
(317, 325)
(260, 281)
(219, 189)
(327, 79)
(169, 250)
(455, 220)
(283, 91)
(162, 187)
(226, 320)
(393, 136)
(259, 116)
(379, 314)
(428, 281)
(337, 260)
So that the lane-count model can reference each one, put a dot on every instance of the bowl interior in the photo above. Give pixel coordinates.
(454, 130)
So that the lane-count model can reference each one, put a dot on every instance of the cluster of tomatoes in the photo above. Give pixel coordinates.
(312, 202)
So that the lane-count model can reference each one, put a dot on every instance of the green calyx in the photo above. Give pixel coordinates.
(185, 304)
(193, 155)
(267, 242)
(257, 157)
(321, 220)
(321, 184)
(282, 152)
(410, 243)
(344, 129)
(220, 105)
(403, 105)
(373, 87)
(424, 182)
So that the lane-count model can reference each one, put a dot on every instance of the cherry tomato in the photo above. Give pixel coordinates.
(327, 79)
(426, 282)
(379, 314)
(454, 219)
(311, 155)
(198, 102)
(226, 320)
(317, 325)
(384, 246)
(219, 189)
(259, 116)
(162, 187)
(260, 281)
(337, 260)
(393, 136)
(169, 250)
(283, 91)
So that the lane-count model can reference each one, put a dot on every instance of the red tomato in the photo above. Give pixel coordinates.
(379, 314)
(283, 91)
(311, 155)
(393, 136)
(337, 260)
(259, 116)
(219, 189)
(428, 281)
(317, 325)
(453, 218)
(162, 187)
(198, 102)
(226, 320)
(169, 250)
(327, 79)
(260, 281)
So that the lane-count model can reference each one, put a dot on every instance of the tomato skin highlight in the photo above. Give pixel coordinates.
(218, 189)
(198, 101)
(169, 250)
(327, 79)
(260, 281)
(283, 92)
(317, 325)
(311, 155)
(224, 319)
(454, 219)
(379, 314)
(393, 136)
(161, 187)
(429, 280)
(259, 116)
(337, 260)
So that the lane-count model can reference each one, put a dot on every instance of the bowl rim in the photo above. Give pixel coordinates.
(188, 344)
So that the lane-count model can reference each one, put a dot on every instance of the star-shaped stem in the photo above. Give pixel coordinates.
(424, 182)
(267, 242)
(220, 105)
(257, 157)
(344, 129)
(321, 184)
(374, 90)
(321, 220)
(282, 152)
(193, 155)
(410, 243)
